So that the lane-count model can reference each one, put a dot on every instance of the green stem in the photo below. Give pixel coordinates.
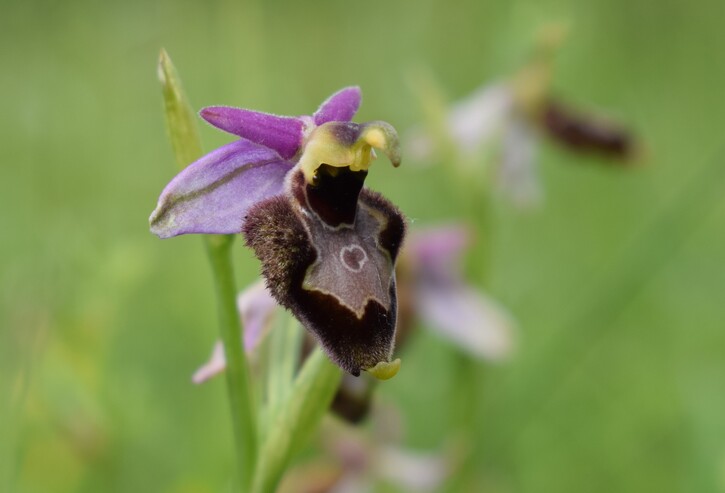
(237, 374)
(296, 419)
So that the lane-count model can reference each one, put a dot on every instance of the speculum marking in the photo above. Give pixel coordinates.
(353, 257)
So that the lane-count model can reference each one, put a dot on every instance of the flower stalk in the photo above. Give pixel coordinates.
(218, 248)
(184, 136)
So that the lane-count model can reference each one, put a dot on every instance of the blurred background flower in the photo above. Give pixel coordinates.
(431, 282)
(615, 281)
(493, 133)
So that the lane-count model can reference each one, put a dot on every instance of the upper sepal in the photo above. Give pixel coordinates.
(284, 134)
(213, 194)
(340, 107)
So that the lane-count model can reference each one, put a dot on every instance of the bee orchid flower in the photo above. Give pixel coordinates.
(294, 187)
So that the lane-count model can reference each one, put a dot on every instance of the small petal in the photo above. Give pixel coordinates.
(517, 178)
(284, 134)
(256, 307)
(466, 317)
(214, 194)
(216, 364)
(340, 107)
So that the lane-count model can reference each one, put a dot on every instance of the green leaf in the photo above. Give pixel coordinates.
(284, 360)
(296, 419)
(180, 118)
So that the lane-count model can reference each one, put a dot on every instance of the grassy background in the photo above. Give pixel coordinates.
(617, 282)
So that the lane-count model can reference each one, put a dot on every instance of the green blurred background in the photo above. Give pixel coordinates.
(617, 282)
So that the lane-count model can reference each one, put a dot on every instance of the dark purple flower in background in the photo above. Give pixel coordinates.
(294, 187)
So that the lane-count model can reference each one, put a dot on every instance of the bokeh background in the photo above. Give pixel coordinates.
(617, 280)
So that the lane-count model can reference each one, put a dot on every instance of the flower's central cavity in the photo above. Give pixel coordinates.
(348, 145)
(333, 195)
(353, 257)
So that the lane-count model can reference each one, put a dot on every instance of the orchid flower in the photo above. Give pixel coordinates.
(486, 123)
(294, 187)
(508, 119)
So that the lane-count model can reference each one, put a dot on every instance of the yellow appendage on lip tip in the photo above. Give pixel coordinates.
(385, 370)
(324, 147)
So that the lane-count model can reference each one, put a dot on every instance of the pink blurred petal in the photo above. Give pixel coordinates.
(474, 121)
(467, 318)
(216, 364)
(256, 307)
(340, 107)
(517, 176)
(438, 247)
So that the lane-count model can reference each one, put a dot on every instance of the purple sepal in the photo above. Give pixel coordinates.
(340, 107)
(213, 194)
(282, 133)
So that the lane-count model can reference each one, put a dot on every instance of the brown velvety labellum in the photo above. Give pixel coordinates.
(334, 270)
